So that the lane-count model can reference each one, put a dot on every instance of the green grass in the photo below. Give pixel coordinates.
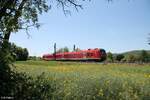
(88, 81)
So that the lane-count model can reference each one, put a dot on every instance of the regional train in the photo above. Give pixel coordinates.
(82, 55)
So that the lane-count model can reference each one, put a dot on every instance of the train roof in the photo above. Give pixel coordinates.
(75, 52)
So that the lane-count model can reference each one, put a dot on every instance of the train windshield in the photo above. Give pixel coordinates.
(102, 51)
(103, 54)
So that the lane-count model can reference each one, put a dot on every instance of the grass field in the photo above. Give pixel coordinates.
(89, 81)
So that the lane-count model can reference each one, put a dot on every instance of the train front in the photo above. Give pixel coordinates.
(103, 55)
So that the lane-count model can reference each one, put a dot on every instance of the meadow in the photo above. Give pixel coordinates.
(91, 81)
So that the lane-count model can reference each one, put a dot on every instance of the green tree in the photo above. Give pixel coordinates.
(19, 53)
(130, 58)
(119, 57)
(77, 49)
(110, 57)
(14, 16)
(22, 14)
(144, 56)
(65, 49)
(25, 54)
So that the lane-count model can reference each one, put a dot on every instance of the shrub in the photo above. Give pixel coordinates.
(20, 86)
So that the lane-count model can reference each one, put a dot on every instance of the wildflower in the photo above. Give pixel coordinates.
(107, 82)
(100, 93)
(147, 75)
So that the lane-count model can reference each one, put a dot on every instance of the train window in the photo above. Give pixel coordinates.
(89, 54)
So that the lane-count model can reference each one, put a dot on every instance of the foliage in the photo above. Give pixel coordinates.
(110, 57)
(21, 86)
(136, 56)
(129, 58)
(5, 72)
(5, 55)
(119, 57)
(77, 49)
(33, 88)
(22, 14)
(145, 57)
(34, 58)
(92, 81)
(16, 15)
(19, 53)
(65, 49)
(19, 14)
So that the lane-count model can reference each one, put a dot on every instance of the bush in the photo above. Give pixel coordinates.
(20, 86)
(119, 57)
(110, 57)
(30, 88)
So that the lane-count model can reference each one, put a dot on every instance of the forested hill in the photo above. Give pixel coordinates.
(135, 52)
(130, 56)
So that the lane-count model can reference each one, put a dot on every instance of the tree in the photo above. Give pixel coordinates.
(22, 14)
(130, 58)
(65, 49)
(14, 16)
(25, 54)
(110, 57)
(77, 49)
(19, 53)
(144, 56)
(119, 57)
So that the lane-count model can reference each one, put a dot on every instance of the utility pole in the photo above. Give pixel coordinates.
(74, 47)
(55, 51)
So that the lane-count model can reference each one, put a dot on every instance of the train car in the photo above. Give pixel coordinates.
(82, 55)
(48, 57)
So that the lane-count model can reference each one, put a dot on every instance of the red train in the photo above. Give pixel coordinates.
(82, 55)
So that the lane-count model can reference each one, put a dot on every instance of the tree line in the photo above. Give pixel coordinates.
(19, 53)
(142, 57)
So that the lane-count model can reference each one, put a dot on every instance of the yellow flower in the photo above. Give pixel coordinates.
(100, 93)
(147, 75)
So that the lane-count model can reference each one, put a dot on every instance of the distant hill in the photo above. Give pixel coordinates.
(135, 52)
(130, 56)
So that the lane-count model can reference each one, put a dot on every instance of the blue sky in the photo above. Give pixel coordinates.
(117, 27)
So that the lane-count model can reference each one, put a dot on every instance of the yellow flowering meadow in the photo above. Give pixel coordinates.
(92, 81)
